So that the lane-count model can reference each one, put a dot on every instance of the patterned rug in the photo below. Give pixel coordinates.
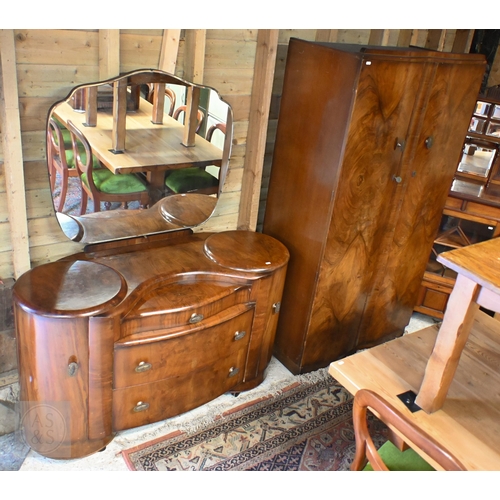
(308, 427)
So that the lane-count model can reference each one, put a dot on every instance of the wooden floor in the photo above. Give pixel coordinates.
(469, 422)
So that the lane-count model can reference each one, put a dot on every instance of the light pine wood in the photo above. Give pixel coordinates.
(468, 423)
(13, 157)
(158, 103)
(265, 58)
(194, 59)
(194, 64)
(91, 106)
(191, 116)
(477, 284)
(119, 116)
(326, 35)
(109, 54)
(379, 37)
(451, 340)
(169, 49)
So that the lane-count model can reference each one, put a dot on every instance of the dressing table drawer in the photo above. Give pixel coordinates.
(147, 403)
(180, 353)
(182, 303)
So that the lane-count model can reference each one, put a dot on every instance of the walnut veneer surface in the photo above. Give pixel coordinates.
(366, 149)
(122, 336)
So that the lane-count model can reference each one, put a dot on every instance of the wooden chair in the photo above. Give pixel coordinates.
(100, 183)
(182, 109)
(195, 179)
(59, 159)
(393, 457)
(168, 93)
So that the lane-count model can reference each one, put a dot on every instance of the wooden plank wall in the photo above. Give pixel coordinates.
(245, 66)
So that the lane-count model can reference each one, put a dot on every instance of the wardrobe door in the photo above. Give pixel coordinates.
(314, 113)
(441, 120)
(365, 205)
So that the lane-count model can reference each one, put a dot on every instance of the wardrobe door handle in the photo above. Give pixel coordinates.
(429, 142)
(233, 371)
(399, 144)
(397, 179)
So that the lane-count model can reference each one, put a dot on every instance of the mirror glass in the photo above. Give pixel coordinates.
(476, 159)
(140, 154)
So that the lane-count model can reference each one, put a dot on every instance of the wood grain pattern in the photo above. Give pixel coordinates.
(49, 63)
(13, 158)
(356, 191)
(176, 301)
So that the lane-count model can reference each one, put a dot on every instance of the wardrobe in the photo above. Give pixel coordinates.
(367, 144)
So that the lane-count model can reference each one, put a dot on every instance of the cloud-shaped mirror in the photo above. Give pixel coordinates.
(140, 154)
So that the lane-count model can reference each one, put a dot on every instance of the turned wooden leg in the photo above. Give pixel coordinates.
(450, 341)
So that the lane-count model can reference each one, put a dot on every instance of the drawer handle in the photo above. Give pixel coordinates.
(143, 366)
(276, 307)
(195, 318)
(233, 371)
(140, 406)
(239, 335)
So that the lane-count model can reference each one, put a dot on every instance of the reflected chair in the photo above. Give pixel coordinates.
(100, 183)
(60, 159)
(195, 179)
(392, 455)
(168, 93)
(182, 109)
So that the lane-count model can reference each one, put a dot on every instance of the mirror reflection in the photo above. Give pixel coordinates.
(477, 159)
(125, 153)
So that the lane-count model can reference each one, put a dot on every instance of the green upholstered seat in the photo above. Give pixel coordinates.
(397, 460)
(190, 179)
(107, 182)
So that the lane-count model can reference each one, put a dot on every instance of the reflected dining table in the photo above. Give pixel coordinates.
(150, 148)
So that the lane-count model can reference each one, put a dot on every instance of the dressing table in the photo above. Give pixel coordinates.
(139, 328)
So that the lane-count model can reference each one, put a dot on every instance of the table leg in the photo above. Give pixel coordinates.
(450, 341)
(156, 181)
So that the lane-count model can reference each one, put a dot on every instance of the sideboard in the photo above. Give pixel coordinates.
(135, 331)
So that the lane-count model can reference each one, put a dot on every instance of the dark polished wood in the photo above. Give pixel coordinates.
(132, 332)
(365, 152)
